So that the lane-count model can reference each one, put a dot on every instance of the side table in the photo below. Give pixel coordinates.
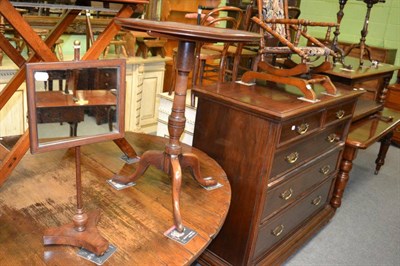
(172, 160)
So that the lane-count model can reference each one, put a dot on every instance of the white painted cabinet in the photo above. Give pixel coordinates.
(13, 116)
(145, 80)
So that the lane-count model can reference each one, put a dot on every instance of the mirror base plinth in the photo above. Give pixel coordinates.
(171, 165)
(89, 239)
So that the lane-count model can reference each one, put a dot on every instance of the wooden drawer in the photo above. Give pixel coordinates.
(295, 186)
(275, 230)
(60, 114)
(300, 127)
(97, 79)
(293, 156)
(107, 79)
(339, 112)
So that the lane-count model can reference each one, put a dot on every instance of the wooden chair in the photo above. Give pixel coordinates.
(119, 44)
(205, 52)
(239, 57)
(281, 40)
(243, 55)
(150, 44)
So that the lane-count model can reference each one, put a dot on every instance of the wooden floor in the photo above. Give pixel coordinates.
(41, 193)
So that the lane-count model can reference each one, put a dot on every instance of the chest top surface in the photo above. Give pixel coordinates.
(273, 101)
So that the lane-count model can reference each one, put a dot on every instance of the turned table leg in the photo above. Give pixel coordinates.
(385, 144)
(349, 154)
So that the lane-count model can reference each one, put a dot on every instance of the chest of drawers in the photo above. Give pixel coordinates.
(281, 156)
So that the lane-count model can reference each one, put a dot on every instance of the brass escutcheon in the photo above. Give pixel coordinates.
(302, 129)
(292, 158)
(287, 194)
(317, 200)
(325, 169)
(278, 230)
(340, 114)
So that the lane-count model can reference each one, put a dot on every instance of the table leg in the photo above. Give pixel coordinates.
(381, 93)
(171, 161)
(349, 154)
(385, 144)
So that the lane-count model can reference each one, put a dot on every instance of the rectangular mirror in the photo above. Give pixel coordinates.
(75, 103)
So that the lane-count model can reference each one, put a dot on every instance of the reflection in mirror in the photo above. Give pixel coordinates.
(75, 101)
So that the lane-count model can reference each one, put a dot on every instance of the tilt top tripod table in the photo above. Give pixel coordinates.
(171, 161)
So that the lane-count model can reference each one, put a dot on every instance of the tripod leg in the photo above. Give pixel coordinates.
(176, 174)
(190, 160)
(155, 158)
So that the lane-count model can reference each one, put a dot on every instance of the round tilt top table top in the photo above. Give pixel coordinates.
(187, 32)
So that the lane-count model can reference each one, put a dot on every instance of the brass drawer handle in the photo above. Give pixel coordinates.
(331, 137)
(317, 200)
(302, 129)
(340, 114)
(278, 230)
(325, 169)
(292, 158)
(287, 194)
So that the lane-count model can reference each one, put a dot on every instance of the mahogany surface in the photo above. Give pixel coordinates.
(361, 74)
(41, 194)
(187, 32)
(46, 99)
(367, 131)
(356, 76)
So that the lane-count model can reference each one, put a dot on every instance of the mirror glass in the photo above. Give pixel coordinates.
(75, 103)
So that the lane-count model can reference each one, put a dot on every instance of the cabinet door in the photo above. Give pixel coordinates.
(152, 86)
(13, 115)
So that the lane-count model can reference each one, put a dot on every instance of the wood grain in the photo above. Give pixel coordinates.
(41, 193)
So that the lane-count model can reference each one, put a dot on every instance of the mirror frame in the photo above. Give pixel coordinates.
(31, 68)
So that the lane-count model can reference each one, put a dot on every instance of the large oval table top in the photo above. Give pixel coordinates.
(40, 193)
(187, 32)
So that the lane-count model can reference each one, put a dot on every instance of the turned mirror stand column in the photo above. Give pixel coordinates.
(48, 109)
